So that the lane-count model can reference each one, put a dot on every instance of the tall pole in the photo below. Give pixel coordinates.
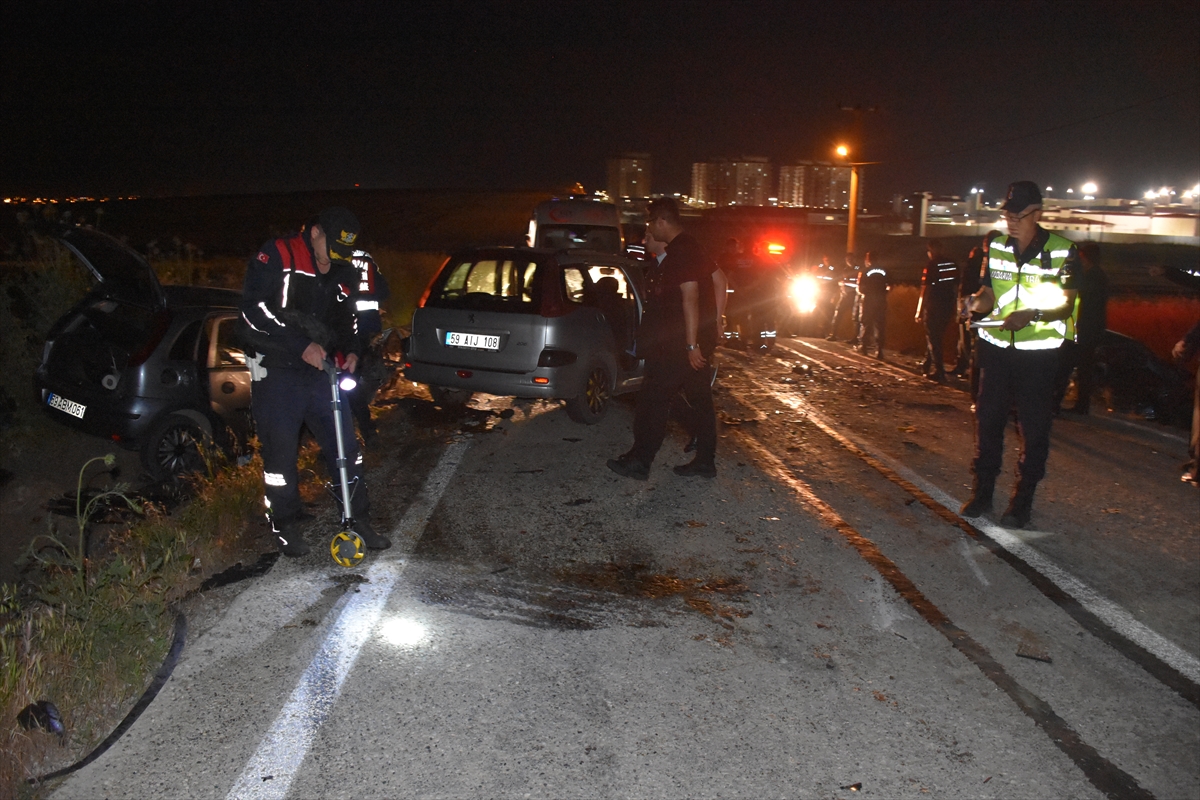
(853, 221)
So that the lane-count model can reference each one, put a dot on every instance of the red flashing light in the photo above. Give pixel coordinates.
(541, 381)
(776, 249)
(464, 373)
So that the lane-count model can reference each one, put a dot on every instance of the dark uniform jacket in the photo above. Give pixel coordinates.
(939, 288)
(288, 304)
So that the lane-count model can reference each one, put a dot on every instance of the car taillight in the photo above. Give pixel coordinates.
(162, 321)
(556, 358)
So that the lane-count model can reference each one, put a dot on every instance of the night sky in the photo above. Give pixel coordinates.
(175, 98)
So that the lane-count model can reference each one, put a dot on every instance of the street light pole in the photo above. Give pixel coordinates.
(852, 225)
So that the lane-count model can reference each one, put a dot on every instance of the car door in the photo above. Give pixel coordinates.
(228, 373)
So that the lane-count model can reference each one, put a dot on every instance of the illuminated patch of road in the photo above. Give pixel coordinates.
(1161, 657)
(270, 771)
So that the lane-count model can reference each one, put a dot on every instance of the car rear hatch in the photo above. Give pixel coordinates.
(116, 326)
(482, 312)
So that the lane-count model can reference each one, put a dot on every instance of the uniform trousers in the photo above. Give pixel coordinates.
(1025, 379)
(665, 376)
(937, 319)
(283, 402)
(874, 319)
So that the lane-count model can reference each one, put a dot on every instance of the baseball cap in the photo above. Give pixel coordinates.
(341, 229)
(1021, 195)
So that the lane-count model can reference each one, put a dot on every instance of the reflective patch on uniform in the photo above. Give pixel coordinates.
(358, 460)
(1039, 344)
(287, 280)
(367, 305)
(274, 479)
(1059, 253)
(267, 502)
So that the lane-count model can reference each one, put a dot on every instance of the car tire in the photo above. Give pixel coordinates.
(449, 398)
(592, 403)
(175, 447)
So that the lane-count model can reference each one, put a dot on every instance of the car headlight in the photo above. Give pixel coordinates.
(804, 291)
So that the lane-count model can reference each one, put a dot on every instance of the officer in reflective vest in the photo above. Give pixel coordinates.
(1027, 296)
(372, 290)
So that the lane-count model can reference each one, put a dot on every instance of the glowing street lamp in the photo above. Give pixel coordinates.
(1089, 188)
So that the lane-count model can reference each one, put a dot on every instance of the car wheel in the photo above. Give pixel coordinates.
(591, 404)
(174, 447)
(449, 398)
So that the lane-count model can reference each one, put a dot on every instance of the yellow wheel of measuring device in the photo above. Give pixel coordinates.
(347, 548)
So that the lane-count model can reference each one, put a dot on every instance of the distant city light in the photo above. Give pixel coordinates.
(843, 151)
(1070, 191)
(1049, 188)
(1089, 188)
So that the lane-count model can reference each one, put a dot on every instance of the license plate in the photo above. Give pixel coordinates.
(475, 341)
(66, 406)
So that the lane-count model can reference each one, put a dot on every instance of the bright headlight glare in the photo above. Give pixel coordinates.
(804, 290)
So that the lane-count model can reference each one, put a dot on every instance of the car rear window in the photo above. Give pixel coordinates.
(496, 284)
(602, 239)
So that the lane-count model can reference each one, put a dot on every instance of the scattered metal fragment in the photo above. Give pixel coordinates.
(854, 787)
(1033, 652)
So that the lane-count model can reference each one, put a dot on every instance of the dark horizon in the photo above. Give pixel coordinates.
(159, 100)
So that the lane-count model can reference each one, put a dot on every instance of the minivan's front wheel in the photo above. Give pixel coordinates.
(591, 404)
(174, 447)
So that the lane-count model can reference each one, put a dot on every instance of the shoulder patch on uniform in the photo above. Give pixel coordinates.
(263, 257)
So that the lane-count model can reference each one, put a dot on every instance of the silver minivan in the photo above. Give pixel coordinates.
(532, 323)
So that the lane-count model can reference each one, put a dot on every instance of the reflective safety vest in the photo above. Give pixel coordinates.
(1036, 284)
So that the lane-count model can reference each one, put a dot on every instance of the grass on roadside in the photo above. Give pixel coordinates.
(89, 642)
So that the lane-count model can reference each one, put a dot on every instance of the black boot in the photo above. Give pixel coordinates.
(981, 497)
(373, 540)
(287, 533)
(1020, 508)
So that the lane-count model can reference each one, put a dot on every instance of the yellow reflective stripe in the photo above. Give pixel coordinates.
(1059, 253)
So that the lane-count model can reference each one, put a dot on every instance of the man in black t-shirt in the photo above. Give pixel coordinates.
(678, 333)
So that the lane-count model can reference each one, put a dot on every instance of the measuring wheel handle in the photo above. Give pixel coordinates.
(347, 548)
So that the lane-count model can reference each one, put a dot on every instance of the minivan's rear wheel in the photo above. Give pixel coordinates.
(449, 398)
(174, 447)
(591, 404)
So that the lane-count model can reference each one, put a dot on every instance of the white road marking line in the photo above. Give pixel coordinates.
(965, 547)
(1110, 613)
(269, 773)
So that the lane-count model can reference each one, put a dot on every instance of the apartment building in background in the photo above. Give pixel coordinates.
(744, 181)
(629, 175)
(815, 184)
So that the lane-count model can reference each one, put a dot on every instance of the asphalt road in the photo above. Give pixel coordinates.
(814, 622)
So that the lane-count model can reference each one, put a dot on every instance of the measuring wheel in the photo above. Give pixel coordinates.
(347, 548)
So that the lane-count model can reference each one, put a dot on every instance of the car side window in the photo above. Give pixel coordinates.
(228, 353)
(184, 347)
(575, 282)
